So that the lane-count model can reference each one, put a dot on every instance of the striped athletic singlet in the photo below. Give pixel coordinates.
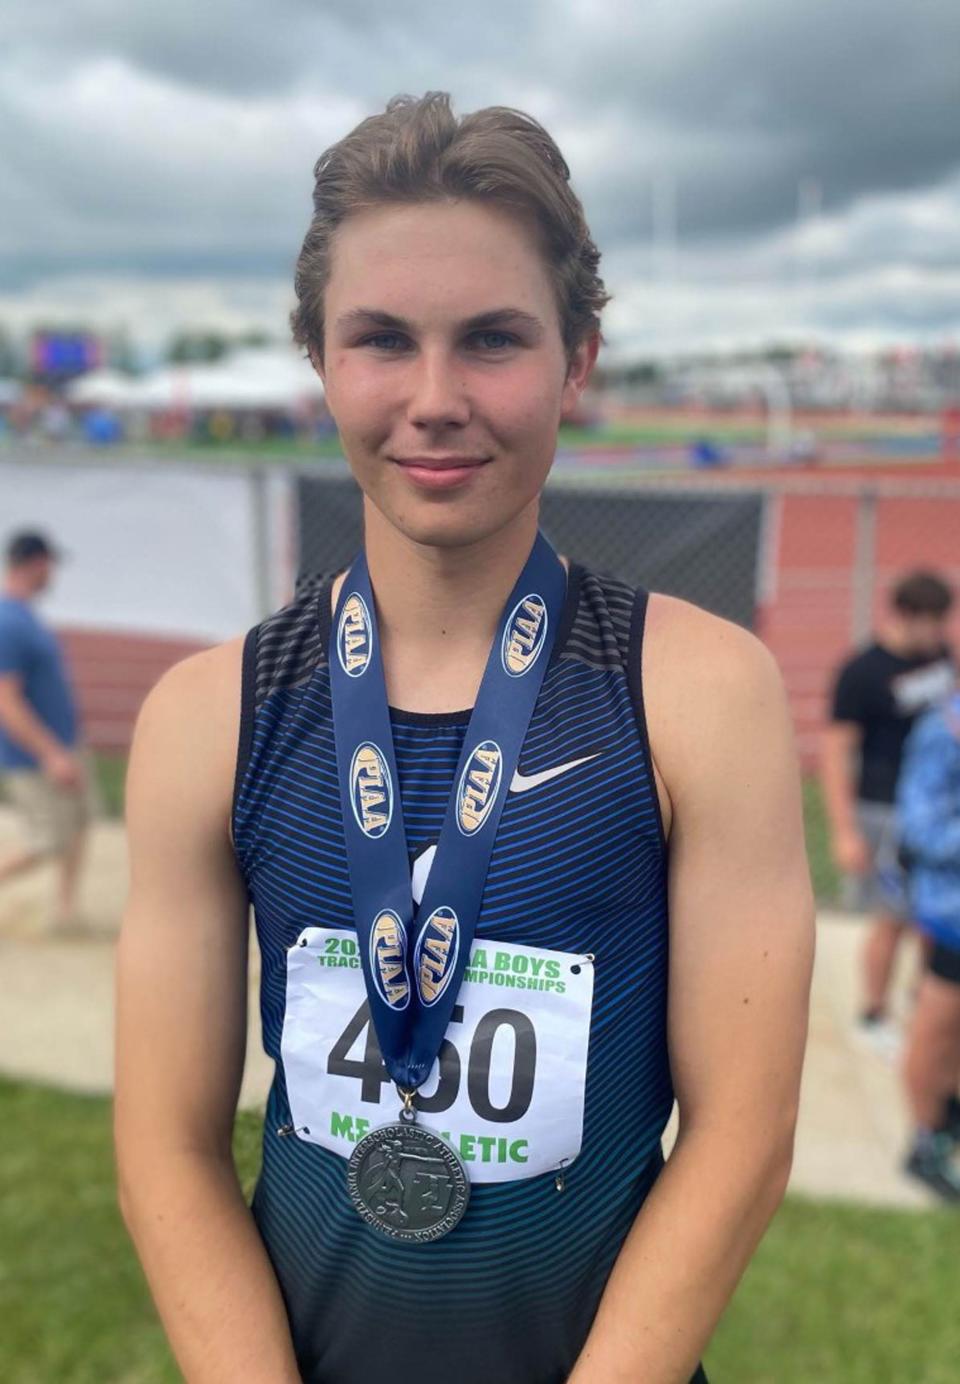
(578, 867)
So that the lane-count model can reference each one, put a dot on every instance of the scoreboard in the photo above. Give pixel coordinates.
(60, 354)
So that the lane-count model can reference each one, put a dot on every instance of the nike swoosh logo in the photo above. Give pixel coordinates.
(519, 784)
(522, 783)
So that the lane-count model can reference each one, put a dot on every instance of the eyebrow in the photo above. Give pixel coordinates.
(374, 317)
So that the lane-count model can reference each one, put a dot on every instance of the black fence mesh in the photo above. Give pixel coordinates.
(701, 546)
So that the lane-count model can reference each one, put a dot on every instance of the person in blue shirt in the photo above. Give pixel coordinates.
(44, 772)
(928, 803)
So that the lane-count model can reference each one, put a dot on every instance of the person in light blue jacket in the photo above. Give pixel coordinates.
(928, 808)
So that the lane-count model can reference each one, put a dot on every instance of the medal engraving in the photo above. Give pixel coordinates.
(407, 1183)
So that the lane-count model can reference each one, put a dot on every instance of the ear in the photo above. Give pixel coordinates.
(579, 371)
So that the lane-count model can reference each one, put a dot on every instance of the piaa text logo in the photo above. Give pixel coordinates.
(523, 636)
(371, 791)
(478, 788)
(388, 959)
(435, 958)
(354, 636)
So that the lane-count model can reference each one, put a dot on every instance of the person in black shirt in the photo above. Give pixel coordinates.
(878, 693)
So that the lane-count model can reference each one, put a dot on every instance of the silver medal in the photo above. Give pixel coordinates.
(407, 1182)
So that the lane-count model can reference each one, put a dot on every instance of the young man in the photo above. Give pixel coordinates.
(44, 773)
(449, 298)
(928, 802)
(878, 694)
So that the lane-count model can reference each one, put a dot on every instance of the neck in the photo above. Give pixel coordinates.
(895, 639)
(431, 598)
(14, 589)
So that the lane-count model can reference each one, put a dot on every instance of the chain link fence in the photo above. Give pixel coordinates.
(807, 562)
(704, 547)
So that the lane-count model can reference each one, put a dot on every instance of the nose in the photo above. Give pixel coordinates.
(438, 394)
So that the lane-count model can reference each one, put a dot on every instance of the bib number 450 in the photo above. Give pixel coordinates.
(503, 1023)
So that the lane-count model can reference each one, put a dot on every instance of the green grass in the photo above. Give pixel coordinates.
(826, 881)
(679, 428)
(73, 1300)
(111, 771)
(836, 1294)
(840, 1294)
(679, 431)
(238, 451)
(235, 452)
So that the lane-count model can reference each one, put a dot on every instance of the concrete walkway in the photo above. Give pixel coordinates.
(57, 1014)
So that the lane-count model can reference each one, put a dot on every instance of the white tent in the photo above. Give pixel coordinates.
(100, 387)
(262, 378)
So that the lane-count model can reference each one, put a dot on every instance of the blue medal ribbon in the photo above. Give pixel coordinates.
(413, 958)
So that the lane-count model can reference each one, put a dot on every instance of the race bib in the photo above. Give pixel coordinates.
(507, 1088)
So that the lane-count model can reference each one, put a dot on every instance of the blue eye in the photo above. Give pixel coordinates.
(501, 340)
(392, 342)
(380, 338)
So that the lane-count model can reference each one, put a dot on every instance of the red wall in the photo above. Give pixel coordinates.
(112, 674)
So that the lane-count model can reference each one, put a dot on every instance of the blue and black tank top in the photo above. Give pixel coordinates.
(578, 866)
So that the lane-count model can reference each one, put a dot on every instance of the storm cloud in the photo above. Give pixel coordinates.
(177, 142)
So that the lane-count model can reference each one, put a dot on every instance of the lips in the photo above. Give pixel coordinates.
(438, 474)
(449, 463)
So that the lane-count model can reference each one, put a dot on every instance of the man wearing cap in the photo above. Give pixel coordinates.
(43, 771)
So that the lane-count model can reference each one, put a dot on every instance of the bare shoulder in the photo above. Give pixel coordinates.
(202, 690)
(689, 644)
(187, 731)
(712, 690)
(201, 675)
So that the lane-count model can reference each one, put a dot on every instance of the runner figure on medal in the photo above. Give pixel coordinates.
(383, 1184)
(446, 776)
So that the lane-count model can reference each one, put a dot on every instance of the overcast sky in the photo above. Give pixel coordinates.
(156, 159)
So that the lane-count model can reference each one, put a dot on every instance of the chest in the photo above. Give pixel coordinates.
(578, 840)
(34, 648)
(437, 686)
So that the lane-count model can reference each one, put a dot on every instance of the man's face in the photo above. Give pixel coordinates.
(443, 346)
(924, 635)
(35, 575)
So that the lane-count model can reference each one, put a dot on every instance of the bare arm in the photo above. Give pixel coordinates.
(24, 726)
(838, 749)
(741, 948)
(181, 1030)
